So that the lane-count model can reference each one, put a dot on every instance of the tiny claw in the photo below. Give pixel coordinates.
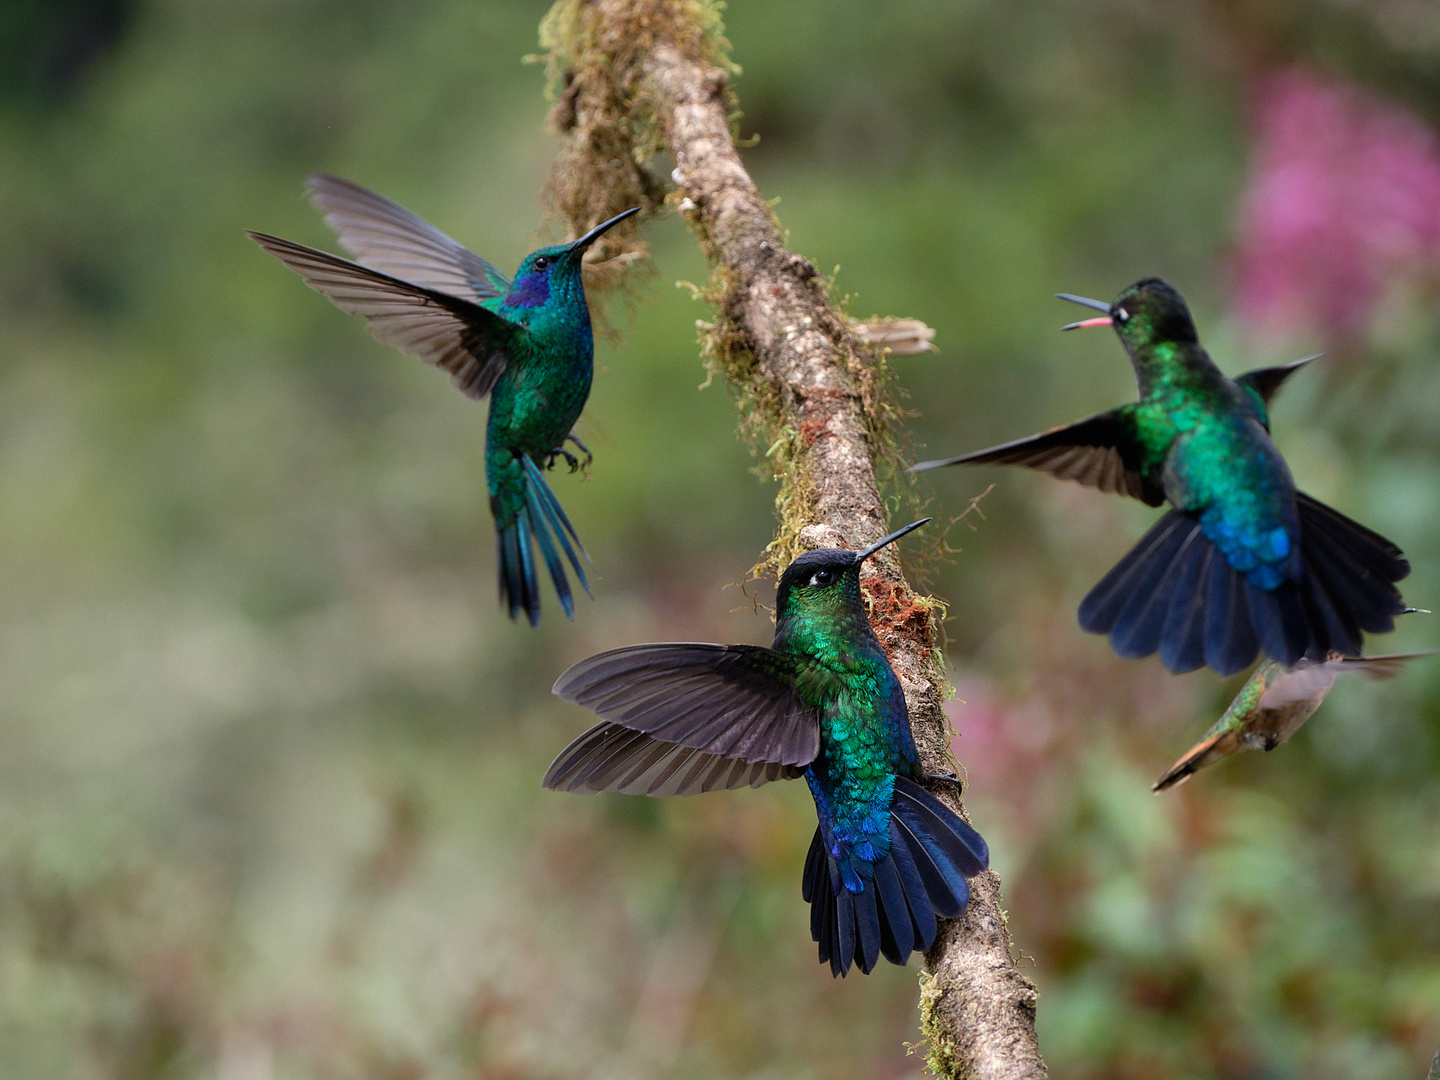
(558, 452)
(945, 778)
(589, 457)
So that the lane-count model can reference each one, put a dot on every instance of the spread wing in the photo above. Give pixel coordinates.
(1309, 679)
(686, 717)
(384, 236)
(611, 757)
(450, 332)
(1264, 382)
(1101, 452)
(1385, 666)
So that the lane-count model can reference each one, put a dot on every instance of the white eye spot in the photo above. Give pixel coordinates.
(1121, 315)
(821, 578)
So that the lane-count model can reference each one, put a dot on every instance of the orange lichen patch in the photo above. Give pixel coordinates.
(810, 430)
(899, 615)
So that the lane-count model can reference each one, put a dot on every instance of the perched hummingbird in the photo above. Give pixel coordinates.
(823, 703)
(1272, 705)
(1243, 562)
(526, 343)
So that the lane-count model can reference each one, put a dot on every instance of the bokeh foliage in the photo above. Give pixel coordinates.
(270, 753)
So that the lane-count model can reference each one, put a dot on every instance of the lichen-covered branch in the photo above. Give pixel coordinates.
(643, 90)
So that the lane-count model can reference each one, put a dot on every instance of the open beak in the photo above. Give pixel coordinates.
(1098, 305)
(595, 233)
(865, 553)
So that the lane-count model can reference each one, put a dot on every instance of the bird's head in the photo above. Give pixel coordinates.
(556, 267)
(824, 584)
(1145, 314)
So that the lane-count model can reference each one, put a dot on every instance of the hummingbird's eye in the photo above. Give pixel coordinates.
(1121, 315)
(541, 263)
(821, 578)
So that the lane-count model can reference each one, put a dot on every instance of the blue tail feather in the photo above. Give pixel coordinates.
(1229, 637)
(547, 550)
(895, 924)
(527, 559)
(512, 578)
(1141, 623)
(1182, 638)
(1335, 630)
(939, 889)
(945, 830)
(549, 508)
(844, 951)
(891, 909)
(1279, 621)
(1100, 610)
(554, 503)
(867, 927)
(540, 522)
(922, 913)
(1176, 592)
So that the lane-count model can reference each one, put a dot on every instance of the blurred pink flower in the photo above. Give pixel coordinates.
(1002, 740)
(1345, 191)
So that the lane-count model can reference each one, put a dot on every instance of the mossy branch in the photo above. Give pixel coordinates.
(643, 95)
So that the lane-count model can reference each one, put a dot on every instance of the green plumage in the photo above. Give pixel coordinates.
(822, 702)
(1243, 562)
(1272, 705)
(526, 343)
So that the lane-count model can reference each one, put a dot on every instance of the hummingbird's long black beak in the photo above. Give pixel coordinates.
(595, 233)
(865, 553)
(1085, 301)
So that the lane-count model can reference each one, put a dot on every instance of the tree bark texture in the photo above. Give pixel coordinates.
(647, 80)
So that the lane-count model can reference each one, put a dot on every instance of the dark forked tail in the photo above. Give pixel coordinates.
(1175, 592)
(540, 519)
(922, 879)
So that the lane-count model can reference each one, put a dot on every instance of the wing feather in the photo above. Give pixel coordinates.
(733, 701)
(1101, 452)
(449, 332)
(1266, 381)
(384, 236)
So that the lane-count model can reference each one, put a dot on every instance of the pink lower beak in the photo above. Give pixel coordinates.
(1103, 320)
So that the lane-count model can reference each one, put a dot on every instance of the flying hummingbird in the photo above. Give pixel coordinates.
(1272, 705)
(526, 343)
(1243, 562)
(822, 702)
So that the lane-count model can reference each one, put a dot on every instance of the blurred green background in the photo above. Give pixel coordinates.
(269, 752)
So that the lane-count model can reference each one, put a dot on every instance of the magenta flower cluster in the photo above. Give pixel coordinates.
(1344, 196)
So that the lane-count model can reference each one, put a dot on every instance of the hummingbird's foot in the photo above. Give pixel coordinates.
(589, 457)
(560, 452)
(945, 778)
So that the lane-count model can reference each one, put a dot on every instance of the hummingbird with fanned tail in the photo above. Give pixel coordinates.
(1273, 704)
(526, 343)
(888, 858)
(1243, 562)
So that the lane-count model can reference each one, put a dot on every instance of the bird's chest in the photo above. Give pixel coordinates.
(542, 392)
(1271, 727)
(865, 732)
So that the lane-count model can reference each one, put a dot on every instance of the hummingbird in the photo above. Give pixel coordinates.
(1272, 705)
(526, 343)
(1242, 562)
(887, 858)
